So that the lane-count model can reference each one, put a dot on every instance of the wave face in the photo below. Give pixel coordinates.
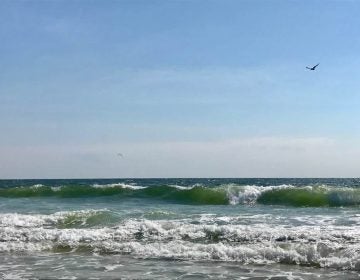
(226, 194)
(196, 195)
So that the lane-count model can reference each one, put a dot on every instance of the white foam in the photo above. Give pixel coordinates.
(197, 185)
(119, 185)
(182, 187)
(325, 245)
(248, 194)
(36, 186)
(38, 220)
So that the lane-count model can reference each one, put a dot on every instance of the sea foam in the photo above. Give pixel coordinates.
(324, 246)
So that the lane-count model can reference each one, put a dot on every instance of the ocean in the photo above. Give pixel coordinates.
(180, 229)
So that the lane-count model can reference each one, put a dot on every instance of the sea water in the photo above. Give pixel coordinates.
(180, 229)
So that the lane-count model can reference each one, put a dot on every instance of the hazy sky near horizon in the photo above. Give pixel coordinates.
(180, 88)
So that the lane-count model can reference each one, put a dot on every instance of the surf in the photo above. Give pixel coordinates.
(180, 239)
(227, 194)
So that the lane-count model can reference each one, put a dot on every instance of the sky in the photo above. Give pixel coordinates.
(188, 88)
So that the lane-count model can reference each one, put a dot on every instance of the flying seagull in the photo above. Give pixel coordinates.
(120, 155)
(312, 68)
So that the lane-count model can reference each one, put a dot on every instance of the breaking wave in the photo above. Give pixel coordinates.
(336, 247)
(306, 196)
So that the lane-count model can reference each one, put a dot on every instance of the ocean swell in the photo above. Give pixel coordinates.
(306, 196)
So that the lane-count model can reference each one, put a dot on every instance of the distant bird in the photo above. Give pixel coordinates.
(120, 155)
(312, 68)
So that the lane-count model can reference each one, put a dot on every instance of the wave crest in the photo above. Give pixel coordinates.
(306, 196)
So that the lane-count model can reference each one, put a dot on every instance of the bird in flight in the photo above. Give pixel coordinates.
(312, 68)
(120, 155)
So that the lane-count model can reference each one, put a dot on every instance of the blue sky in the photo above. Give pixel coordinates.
(181, 88)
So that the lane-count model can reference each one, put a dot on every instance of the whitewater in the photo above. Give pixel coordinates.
(180, 229)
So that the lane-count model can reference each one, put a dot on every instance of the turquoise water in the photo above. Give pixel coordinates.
(180, 229)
